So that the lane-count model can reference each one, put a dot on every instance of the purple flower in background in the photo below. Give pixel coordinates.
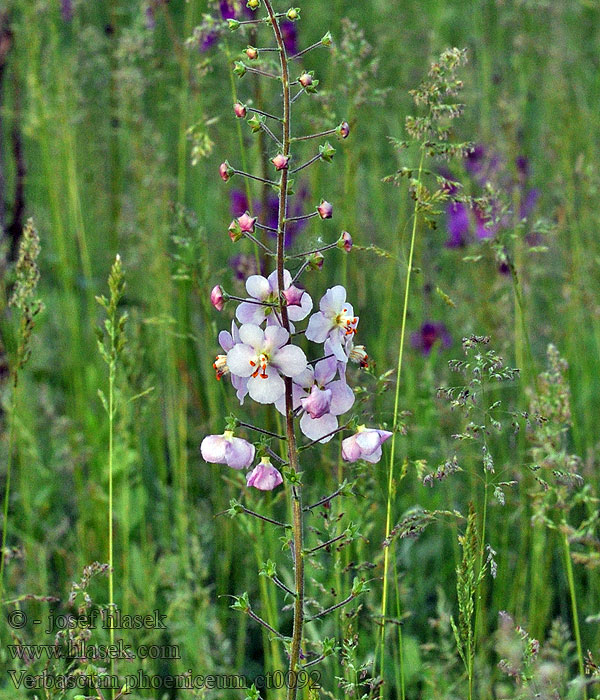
(66, 10)
(364, 444)
(289, 31)
(264, 476)
(226, 449)
(458, 222)
(428, 335)
(239, 202)
(243, 265)
(227, 10)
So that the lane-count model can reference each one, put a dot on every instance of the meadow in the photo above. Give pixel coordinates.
(459, 149)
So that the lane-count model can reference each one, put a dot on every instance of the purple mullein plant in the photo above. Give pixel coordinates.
(262, 355)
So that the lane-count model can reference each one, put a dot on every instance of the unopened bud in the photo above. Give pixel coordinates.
(240, 110)
(252, 53)
(233, 24)
(327, 40)
(253, 4)
(315, 261)
(293, 14)
(325, 210)
(343, 130)
(327, 151)
(226, 171)
(293, 296)
(345, 242)
(280, 161)
(235, 231)
(239, 69)
(307, 79)
(216, 297)
(247, 223)
(255, 122)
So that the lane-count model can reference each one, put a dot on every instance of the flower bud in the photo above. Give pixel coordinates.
(217, 299)
(280, 161)
(308, 82)
(255, 122)
(239, 69)
(315, 261)
(345, 241)
(325, 210)
(327, 151)
(253, 4)
(226, 171)
(240, 110)
(343, 130)
(264, 476)
(252, 53)
(293, 296)
(327, 40)
(246, 223)
(359, 355)
(233, 24)
(235, 231)
(293, 14)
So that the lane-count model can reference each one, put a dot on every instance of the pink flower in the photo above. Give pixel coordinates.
(227, 341)
(265, 289)
(325, 210)
(225, 171)
(345, 241)
(364, 444)
(344, 130)
(216, 297)
(334, 321)
(226, 449)
(280, 161)
(262, 356)
(247, 223)
(264, 476)
(240, 110)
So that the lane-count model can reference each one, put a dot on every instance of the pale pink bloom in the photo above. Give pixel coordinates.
(216, 297)
(265, 289)
(262, 356)
(334, 321)
(325, 209)
(226, 449)
(280, 161)
(364, 444)
(264, 476)
(294, 296)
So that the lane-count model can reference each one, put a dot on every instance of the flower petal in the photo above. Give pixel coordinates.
(342, 397)
(226, 340)
(276, 337)
(325, 370)
(266, 389)
(214, 449)
(319, 327)
(290, 360)
(252, 335)
(239, 358)
(240, 453)
(298, 313)
(368, 441)
(249, 313)
(351, 452)
(332, 301)
(258, 287)
(317, 428)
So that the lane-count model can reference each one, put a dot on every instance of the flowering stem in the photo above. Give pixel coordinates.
(265, 228)
(327, 499)
(261, 430)
(388, 518)
(306, 50)
(314, 136)
(296, 96)
(303, 267)
(268, 131)
(304, 217)
(250, 301)
(264, 73)
(308, 162)
(326, 544)
(289, 403)
(260, 244)
(332, 608)
(264, 114)
(262, 517)
(574, 611)
(254, 177)
(314, 362)
(282, 585)
(315, 250)
(262, 622)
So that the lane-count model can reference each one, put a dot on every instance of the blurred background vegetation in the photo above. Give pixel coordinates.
(114, 118)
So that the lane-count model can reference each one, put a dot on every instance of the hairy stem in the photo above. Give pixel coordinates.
(297, 520)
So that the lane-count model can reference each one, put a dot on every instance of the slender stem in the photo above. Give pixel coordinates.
(250, 301)
(263, 517)
(111, 410)
(265, 114)
(325, 500)
(297, 524)
(303, 217)
(303, 267)
(574, 611)
(254, 177)
(315, 250)
(260, 244)
(268, 131)
(314, 442)
(282, 585)
(262, 622)
(314, 136)
(390, 487)
(264, 73)
(314, 362)
(308, 162)
(306, 50)
(314, 661)
(261, 430)
(265, 228)
(11, 433)
(326, 544)
(331, 609)
(296, 96)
